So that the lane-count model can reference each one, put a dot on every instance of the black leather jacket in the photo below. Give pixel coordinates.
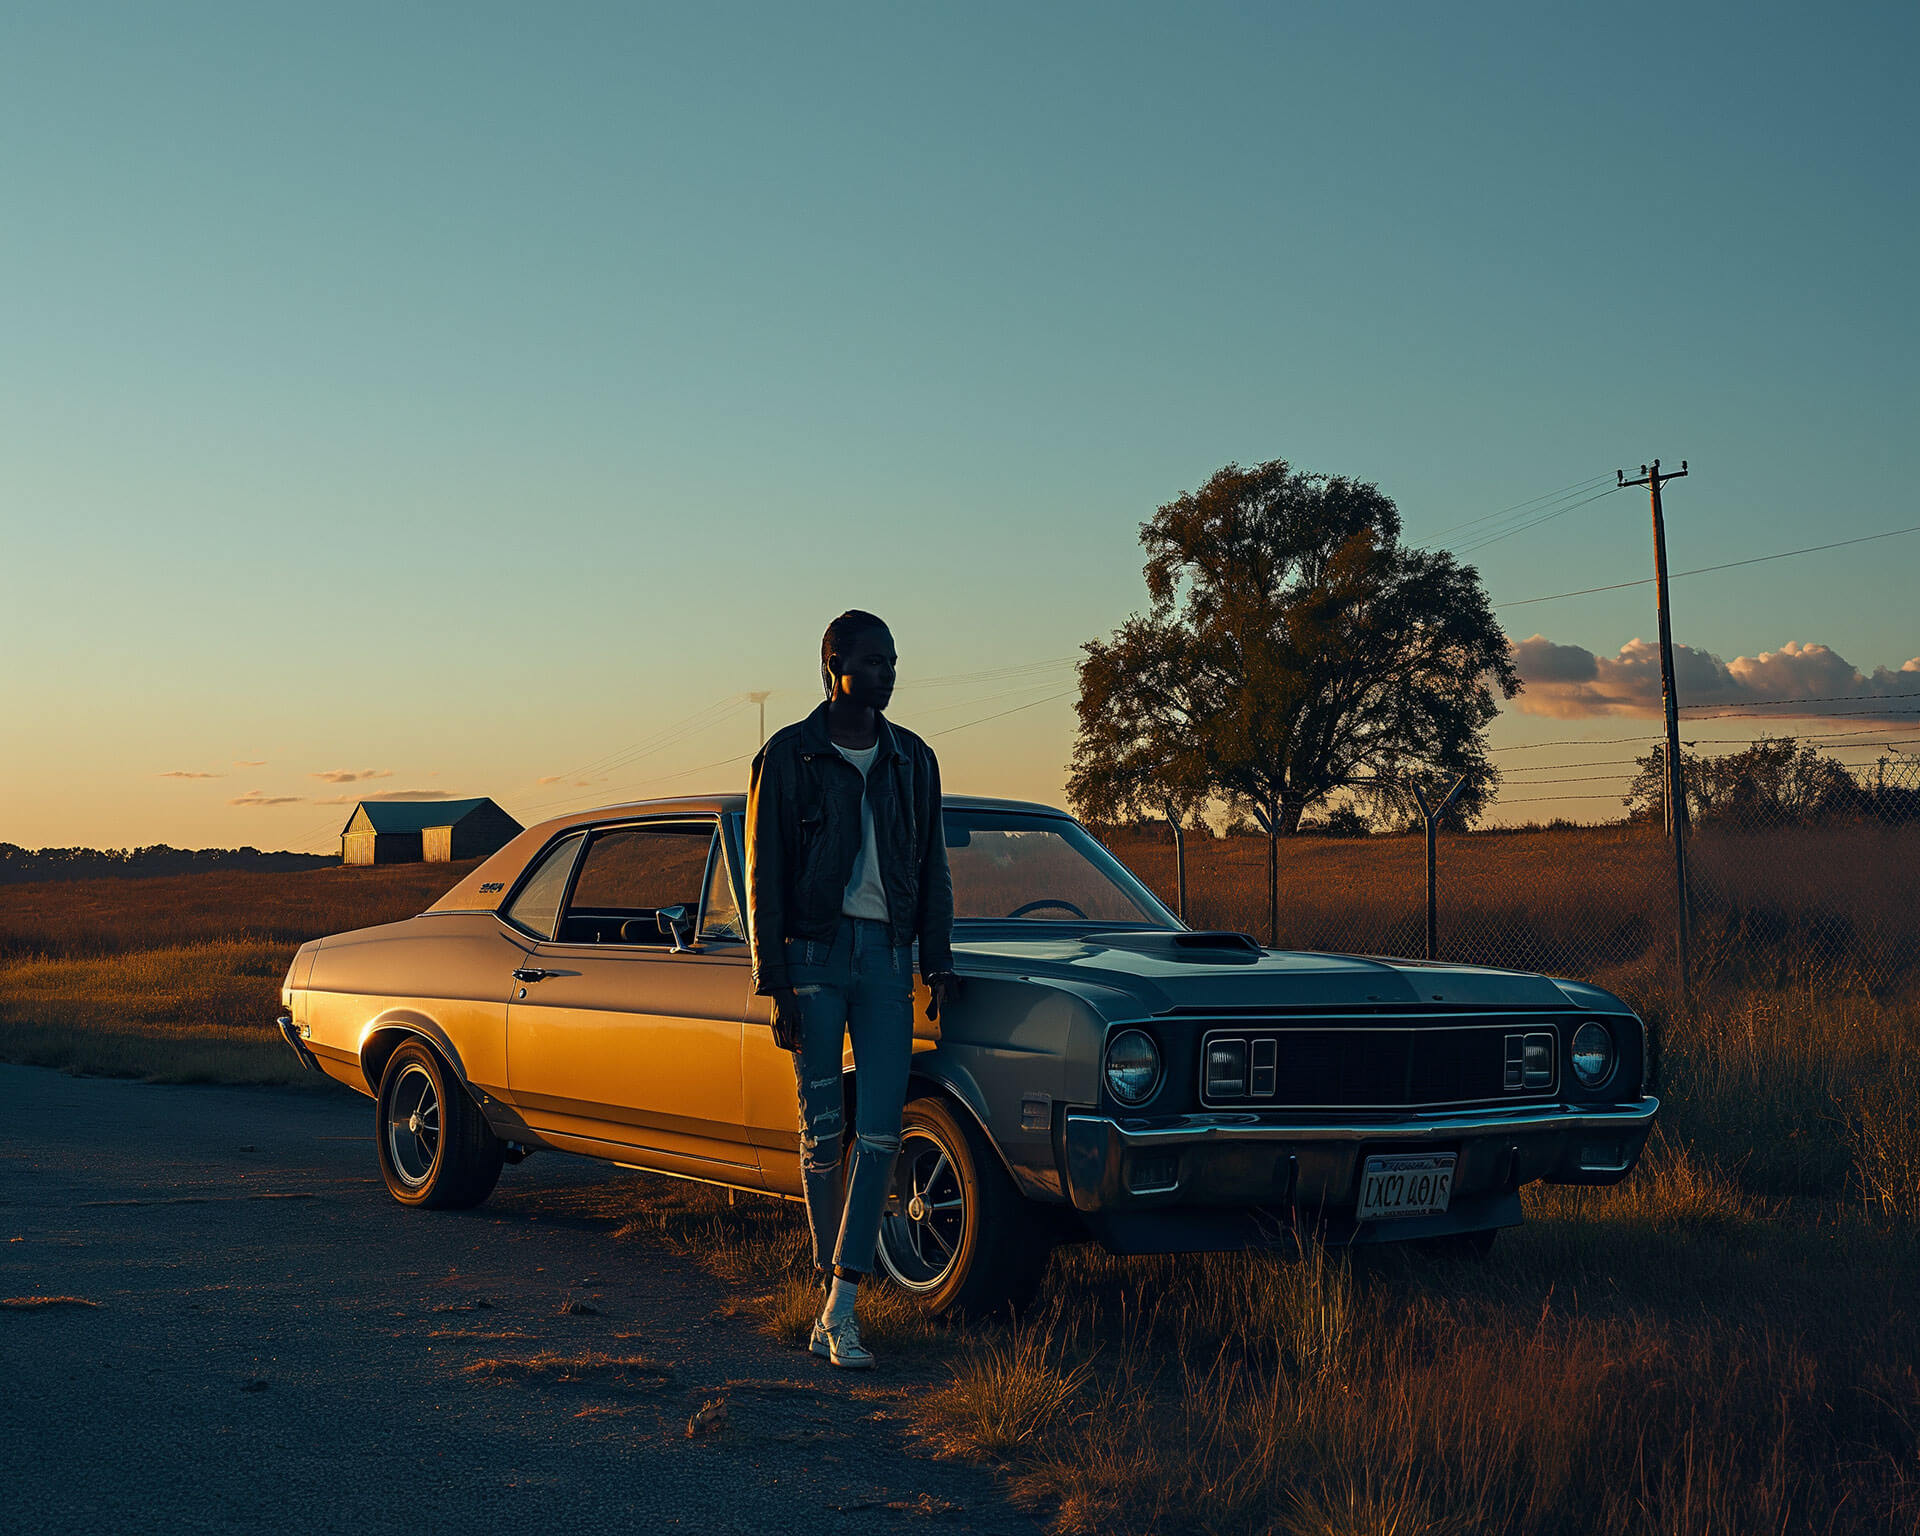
(803, 834)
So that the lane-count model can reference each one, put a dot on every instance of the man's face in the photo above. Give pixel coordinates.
(864, 675)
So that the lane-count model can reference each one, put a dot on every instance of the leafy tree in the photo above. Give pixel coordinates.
(1293, 647)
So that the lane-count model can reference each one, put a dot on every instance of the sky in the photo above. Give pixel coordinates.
(485, 399)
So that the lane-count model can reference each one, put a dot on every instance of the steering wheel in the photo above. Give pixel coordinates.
(1046, 901)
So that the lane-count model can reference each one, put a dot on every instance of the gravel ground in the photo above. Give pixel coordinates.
(272, 1343)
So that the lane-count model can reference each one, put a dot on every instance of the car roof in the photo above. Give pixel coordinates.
(709, 805)
(483, 889)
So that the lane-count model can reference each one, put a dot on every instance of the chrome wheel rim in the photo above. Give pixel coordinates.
(413, 1125)
(926, 1216)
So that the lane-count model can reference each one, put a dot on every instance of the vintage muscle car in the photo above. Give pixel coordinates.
(1106, 1072)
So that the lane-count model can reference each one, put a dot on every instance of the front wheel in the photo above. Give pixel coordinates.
(436, 1149)
(956, 1234)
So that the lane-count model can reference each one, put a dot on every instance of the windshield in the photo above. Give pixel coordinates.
(1042, 869)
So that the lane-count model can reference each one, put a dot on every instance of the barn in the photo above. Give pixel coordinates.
(436, 831)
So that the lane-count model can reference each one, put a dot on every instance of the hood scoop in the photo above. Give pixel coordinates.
(1215, 948)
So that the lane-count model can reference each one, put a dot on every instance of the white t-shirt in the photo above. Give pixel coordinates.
(866, 896)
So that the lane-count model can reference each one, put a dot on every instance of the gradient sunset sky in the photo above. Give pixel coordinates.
(483, 399)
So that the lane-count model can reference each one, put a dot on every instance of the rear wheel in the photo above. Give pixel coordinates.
(957, 1235)
(436, 1149)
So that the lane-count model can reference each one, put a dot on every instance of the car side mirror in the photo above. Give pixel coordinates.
(672, 920)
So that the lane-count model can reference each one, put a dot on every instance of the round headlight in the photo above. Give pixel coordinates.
(1133, 1066)
(1592, 1054)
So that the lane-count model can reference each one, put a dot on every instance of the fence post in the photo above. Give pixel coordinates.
(1179, 857)
(1432, 819)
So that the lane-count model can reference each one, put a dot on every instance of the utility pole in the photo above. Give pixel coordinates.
(760, 698)
(1678, 821)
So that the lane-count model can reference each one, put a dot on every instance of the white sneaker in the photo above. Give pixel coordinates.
(841, 1345)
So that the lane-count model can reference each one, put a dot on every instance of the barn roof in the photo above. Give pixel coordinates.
(416, 815)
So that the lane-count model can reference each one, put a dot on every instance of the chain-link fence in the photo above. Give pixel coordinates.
(1801, 870)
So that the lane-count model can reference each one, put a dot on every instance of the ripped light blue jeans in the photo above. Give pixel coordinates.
(862, 985)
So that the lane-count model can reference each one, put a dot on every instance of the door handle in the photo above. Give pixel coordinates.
(532, 973)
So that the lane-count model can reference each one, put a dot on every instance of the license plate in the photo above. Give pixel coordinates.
(1405, 1186)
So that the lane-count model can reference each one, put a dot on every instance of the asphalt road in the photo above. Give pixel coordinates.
(276, 1345)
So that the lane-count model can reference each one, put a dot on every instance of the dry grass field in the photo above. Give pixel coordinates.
(1728, 1343)
(1829, 904)
(177, 979)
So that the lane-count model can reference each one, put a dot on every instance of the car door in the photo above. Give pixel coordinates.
(619, 1044)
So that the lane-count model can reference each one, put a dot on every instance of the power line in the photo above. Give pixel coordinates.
(727, 762)
(1831, 698)
(1622, 741)
(990, 675)
(1542, 799)
(1585, 778)
(1701, 570)
(1734, 741)
(1837, 714)
(706, 716)
(1603, 741)
(1033, 704)
(1603, 762)
(990, 698)
(1531, 501)
(1535, 522)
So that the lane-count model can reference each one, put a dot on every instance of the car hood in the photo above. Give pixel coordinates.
(1161, 970)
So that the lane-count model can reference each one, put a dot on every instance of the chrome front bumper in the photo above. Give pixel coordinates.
(1310, 1165)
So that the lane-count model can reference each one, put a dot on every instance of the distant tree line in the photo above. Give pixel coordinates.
(18, 865)
(1778, 781)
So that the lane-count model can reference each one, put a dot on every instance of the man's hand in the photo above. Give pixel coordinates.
(786, 1019)
(942, 986)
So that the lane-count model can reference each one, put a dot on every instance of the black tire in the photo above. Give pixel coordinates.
(957, 1236)
(436, 1149)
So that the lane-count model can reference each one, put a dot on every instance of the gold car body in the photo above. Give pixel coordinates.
(631, 1052)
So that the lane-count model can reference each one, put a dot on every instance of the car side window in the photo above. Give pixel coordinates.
(720, 920)
(630, 874)
(536, 906)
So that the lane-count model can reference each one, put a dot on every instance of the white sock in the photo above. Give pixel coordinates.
(840, 1300)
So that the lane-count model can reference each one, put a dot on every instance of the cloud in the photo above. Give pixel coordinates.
(1569, 682)
(249, 762)
(550, 778)
(336, 800)
(255, 797)
(413, 794)
(182, 773)
(350, 775)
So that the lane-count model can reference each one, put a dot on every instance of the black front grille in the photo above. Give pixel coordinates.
(1366, 1067)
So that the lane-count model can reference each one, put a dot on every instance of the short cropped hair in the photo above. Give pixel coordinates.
(841, 633)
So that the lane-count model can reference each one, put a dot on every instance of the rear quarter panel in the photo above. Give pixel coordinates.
(452, 972)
